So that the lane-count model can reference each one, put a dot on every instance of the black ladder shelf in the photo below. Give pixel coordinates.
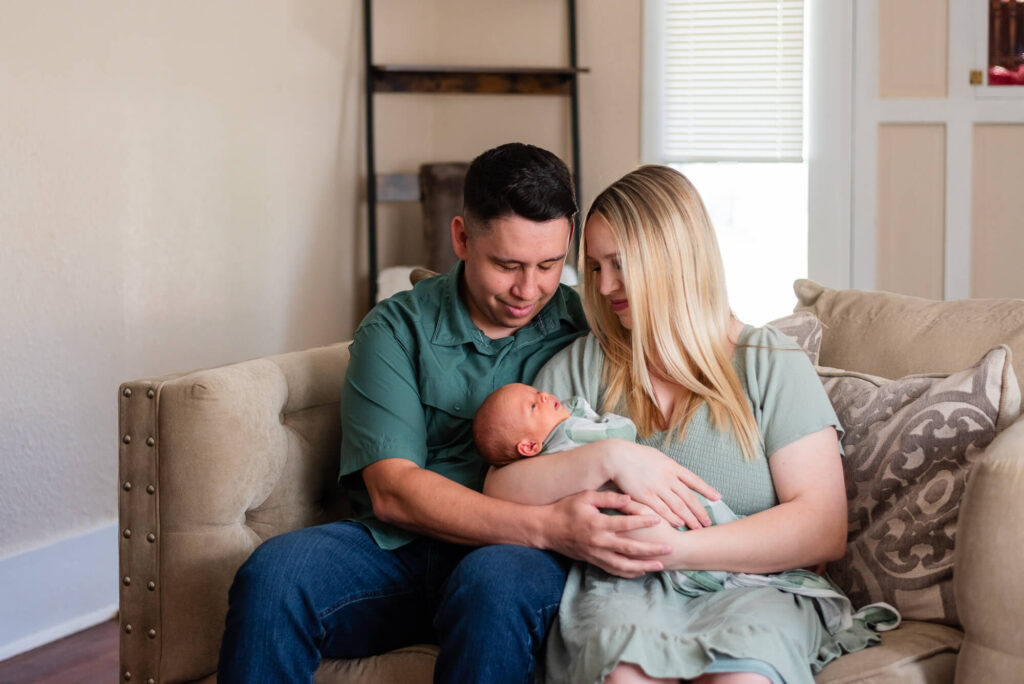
(391, 78)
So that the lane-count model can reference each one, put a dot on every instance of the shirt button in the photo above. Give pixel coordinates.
(458, 407)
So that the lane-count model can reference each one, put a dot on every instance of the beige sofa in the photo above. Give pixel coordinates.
(213, 462)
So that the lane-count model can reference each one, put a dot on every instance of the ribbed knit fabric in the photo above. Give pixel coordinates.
(783, 389)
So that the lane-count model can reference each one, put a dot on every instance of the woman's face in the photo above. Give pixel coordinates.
(603, 259)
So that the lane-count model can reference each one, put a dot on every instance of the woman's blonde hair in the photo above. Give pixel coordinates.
(675, 283)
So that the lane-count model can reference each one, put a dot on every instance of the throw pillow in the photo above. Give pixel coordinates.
(419, 273)
(805, 328)
(909, 445)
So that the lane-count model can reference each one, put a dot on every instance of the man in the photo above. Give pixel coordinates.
(428, 558)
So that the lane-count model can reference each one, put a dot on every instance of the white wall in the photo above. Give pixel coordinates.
(178, 189)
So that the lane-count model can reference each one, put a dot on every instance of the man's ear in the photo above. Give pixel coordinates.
(528, 447)
(460, 237)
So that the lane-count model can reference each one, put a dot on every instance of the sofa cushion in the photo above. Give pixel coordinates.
(409, 665)
(894, 335)
(910, 444)
(916, 652)
(805, 329)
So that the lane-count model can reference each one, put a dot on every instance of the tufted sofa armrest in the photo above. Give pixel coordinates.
(990, 555)
(212, 463)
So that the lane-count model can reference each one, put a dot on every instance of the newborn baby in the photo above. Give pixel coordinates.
(518, 421)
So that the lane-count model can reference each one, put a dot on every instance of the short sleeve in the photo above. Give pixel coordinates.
(382, 415)
(574, 371)
(787, 397)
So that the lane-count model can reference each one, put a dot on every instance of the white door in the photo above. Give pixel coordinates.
(936, 191)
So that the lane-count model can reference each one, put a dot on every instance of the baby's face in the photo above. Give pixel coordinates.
(535, 412)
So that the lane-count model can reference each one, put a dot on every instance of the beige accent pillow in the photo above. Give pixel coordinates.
(805, 329)
(910, 444)
(419, 273)
(894, 335)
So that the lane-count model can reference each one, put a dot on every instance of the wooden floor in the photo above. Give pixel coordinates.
(89, 657)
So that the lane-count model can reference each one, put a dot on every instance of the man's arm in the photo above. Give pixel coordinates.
(384, 437)
(422, 501)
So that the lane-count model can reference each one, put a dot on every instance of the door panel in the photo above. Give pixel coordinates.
(931, 168)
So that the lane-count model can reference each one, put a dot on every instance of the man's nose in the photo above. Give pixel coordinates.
(526, 285)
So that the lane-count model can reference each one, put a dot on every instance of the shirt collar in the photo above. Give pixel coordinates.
(455, 326)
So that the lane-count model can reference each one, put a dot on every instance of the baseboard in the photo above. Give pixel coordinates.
(57, 590)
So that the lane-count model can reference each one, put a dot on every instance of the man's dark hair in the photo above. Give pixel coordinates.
(520, 179)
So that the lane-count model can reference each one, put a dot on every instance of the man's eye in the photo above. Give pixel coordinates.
(506, 267)
(533, 406)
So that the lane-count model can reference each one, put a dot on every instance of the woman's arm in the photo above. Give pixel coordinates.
(807, 527)
(416, 499)
(646, 474)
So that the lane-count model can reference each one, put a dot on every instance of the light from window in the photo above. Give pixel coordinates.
(759, 212)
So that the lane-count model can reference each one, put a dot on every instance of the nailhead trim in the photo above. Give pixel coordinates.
(139, 600)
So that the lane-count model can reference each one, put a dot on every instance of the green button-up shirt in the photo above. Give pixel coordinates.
(418, 370)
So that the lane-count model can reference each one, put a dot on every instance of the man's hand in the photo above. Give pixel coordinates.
(654, 479)
(580, 530)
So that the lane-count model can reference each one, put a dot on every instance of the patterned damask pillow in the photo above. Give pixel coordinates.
(805, 328)
(910, 444)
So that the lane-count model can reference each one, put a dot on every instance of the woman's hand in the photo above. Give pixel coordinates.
(655, 480)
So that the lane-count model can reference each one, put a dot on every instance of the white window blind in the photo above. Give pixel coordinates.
(728, 76)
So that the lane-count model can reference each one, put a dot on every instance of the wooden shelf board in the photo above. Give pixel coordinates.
(465, 79)
(462, 69)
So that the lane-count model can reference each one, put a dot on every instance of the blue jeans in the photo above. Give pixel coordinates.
(331, 592)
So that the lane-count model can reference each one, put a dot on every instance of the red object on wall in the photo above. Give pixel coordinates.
(998, 75)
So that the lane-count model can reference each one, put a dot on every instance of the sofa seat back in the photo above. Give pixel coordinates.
(893, 335)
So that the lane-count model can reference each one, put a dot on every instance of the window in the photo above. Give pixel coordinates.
(724, 103)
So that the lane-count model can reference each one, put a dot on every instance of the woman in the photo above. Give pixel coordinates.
(739, 406)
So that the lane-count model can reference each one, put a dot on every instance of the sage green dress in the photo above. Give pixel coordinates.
(605, 620)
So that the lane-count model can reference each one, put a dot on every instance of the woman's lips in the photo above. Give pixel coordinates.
(619, 304)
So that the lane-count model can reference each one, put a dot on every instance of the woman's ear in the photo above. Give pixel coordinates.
(528, 447)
